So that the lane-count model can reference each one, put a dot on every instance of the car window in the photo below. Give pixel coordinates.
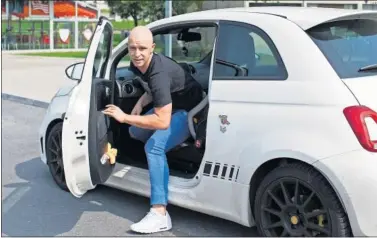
(188, 51)
(246, 51)
(102, 53)
(182, 52)
(263, 52)
(348, 45)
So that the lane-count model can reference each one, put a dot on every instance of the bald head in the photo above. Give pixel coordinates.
(141, 33)
(140, 47)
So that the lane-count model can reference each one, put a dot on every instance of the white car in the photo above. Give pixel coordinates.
(285, 138)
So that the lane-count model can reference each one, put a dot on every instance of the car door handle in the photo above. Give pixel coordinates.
(81, 137)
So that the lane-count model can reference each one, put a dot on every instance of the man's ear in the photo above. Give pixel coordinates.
(153, 46)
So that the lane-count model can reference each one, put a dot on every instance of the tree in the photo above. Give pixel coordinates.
(155, 10)
(127, 8)
(181, 7)
(152, 10)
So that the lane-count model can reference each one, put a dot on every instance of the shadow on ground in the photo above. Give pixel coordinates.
(37, 207)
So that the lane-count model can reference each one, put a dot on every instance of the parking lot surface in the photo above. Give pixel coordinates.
(32, 205)
(37, 78)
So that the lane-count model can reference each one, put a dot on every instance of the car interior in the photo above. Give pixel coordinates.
(185, 159)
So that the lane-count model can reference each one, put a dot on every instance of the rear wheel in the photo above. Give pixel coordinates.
(296, 200)
(54, 155)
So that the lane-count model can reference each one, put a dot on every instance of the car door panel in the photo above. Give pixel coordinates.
(99, 130)
(102, 93)
(85, 127)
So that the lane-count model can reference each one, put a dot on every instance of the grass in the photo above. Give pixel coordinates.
(58, 54)
(79, 55)
(125, 25)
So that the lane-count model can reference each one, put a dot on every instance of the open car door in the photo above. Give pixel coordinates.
(85, 128)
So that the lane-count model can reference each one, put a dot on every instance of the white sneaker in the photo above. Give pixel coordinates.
(153, 222)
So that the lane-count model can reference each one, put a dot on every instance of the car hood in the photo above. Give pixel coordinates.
(65, 90)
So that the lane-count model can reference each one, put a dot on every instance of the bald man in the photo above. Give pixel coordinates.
(173, 93)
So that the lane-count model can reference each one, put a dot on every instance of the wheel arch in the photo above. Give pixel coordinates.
(269, 165)
(51, 125)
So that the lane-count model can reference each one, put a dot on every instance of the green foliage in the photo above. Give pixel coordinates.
(155, 10)
(126, 9)
(151, 10)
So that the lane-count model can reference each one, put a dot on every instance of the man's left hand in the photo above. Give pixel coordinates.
(115, 112)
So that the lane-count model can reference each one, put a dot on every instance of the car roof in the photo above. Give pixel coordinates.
(304, 17)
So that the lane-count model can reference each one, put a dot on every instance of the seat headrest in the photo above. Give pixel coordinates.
(240, 50)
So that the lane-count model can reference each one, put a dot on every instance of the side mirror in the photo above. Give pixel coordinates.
(257, 56)
(74, 71)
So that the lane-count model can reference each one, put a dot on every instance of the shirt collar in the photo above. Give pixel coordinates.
(138, 72)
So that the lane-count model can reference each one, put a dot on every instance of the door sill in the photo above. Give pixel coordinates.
(135, 174)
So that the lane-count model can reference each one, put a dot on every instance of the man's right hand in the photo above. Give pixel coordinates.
(137, 109)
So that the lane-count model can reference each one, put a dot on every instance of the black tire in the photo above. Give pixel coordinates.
(54, 155)
(322, 213)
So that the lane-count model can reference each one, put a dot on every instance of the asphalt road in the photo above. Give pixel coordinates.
(32, 205)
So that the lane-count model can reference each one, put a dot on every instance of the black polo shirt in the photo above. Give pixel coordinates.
(168, 82)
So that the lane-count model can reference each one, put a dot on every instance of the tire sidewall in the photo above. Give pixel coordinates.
(311, 179)
(56, 128)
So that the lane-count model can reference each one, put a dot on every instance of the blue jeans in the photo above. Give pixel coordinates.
(157, 143)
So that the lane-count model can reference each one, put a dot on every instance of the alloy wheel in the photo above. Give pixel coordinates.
(55, 156)
(291, 207)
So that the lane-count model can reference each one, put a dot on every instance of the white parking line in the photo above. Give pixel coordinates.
(14, 197)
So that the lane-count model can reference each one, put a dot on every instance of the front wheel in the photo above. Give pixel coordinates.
(296, 200)
(54, 155)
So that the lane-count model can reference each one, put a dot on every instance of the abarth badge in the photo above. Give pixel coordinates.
(224, 119)
(224, 122)
(223, 129)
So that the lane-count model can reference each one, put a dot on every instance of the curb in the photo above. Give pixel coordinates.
(17, 52)
(23, 100)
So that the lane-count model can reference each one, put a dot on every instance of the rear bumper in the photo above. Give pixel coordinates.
(354, 177)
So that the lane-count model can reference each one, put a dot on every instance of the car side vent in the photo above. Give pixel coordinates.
(220, 171)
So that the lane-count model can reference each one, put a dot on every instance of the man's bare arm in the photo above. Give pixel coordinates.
(159, 120)
(144, 100)
(147, 98)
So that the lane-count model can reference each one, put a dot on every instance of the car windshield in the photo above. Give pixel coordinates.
(348, 45)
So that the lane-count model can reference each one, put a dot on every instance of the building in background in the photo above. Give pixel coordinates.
(47, 24)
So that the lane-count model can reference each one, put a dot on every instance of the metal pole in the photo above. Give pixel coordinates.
(168, 39)
(76, 27)
(9, 16)
(29, 9)
(51, 8)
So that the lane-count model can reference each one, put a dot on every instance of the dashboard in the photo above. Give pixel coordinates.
(129, 86)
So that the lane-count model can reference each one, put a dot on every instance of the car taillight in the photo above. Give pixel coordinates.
(363, 121)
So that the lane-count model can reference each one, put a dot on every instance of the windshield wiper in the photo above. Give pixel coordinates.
(368, 68)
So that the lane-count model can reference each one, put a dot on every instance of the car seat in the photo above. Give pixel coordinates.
(240, 50)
